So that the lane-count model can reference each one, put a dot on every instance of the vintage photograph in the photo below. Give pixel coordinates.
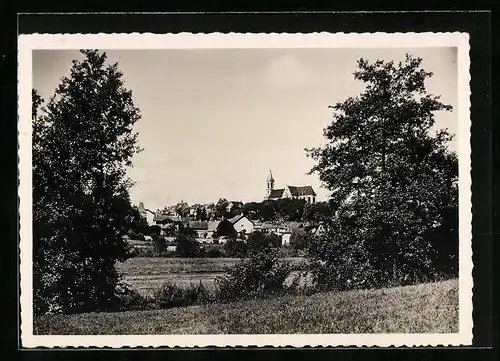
(243, 190)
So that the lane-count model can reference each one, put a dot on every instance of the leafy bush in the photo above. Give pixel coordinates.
(135, 236)
(155, 229)
(159, 244)
(225, 229)
(187, 246)
(170, 295)
(257, 241)
(351, 257)
(260, 275)
(288, 252)
(144, 252)
(300, 240)
(214, 252)
(235, 248)
(128, 299)
(273, 240)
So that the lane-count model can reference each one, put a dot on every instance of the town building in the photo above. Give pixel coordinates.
(242, 223)
(204, 229)
(285, 238)
(146, 214)
(319, 231)
(167, 220)
(306, 193)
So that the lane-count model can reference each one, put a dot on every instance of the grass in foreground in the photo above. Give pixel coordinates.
(430, 307)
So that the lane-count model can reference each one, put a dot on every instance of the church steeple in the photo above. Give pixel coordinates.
(270, 183)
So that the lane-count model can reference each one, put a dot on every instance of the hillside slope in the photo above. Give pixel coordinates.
(430, 307)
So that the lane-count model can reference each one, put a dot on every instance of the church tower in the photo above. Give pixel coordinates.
(270, 184)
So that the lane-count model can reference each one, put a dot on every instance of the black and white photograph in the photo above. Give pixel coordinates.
(245, 189)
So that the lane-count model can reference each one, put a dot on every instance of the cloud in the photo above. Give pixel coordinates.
(287, 72)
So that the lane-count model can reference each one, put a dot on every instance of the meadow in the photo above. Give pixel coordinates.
(146, 274)
(423, 308)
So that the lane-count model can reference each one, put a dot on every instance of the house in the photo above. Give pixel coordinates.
(171, 248)
(282, 228)
(295, 226)
(268, 227)
(211, 228)
(242, 223)
(319, 231)
(237, 205)
(222, 240)
(166, 220)
(285, 238)
(306, 193)
(204, 230)
(200, 227)
(146, 214)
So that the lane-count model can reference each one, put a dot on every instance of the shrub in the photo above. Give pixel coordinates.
(300, 240)
(214, 252)
(235, 248)
(273, 240)
(260, 275)
(144, 252)
(288, 252)
(135, 236)
(187, 246)
(337, 264)
(154, 229)
(128, 299)
(258, 241)
(352, 258)
(225, 229)
(159, 244)
(170, 295)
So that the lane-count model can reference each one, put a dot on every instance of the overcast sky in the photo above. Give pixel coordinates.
(214, 122)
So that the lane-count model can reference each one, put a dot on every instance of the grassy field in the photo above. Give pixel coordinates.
(147, 274)
(431, 307)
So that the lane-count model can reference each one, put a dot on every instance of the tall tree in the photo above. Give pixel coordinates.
(317, 212)
(235, 208)
(83, 141)
(393, 180)
(182, 209)
(201, 214)
(221, 209)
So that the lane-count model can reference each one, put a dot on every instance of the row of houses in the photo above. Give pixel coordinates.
(205, 230)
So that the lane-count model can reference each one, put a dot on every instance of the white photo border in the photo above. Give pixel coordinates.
(28, 43)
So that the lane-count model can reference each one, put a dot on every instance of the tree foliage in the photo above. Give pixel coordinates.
(221, 209)
(261, 275)
(200, 213)
(225, 229)
(300, 240)
(394, 181)
(182, 209)
(317, 212)
(159, 244)
(186, 246)
(257, 241)
(286, 209)
(83, 140)
(236, 208)
(235, 248)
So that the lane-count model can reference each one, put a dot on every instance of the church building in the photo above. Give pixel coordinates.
(306, 193)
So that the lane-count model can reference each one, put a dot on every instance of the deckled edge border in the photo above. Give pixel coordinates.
(371, 340)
